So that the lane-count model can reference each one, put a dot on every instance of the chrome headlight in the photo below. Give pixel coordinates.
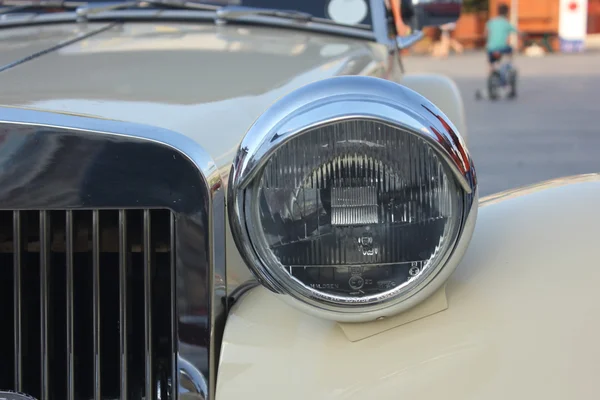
(354, 197)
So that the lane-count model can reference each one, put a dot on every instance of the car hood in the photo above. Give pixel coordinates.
(205, 81)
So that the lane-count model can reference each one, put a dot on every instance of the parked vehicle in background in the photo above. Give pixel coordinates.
(224, 201)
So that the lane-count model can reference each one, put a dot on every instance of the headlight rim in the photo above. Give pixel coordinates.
(278, 123)
(399, 115)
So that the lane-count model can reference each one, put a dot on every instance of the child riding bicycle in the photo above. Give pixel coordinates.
(498, 32)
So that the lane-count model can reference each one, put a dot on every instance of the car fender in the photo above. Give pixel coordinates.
(444, 93)
(522, 321)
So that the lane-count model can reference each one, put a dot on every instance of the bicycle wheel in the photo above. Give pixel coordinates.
(512, 83)
(494, 83)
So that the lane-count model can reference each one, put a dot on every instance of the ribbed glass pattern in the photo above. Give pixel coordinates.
(356, 208)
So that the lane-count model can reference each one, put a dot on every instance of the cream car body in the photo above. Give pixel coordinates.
(220, 68)
(519, 321)
(521, 306)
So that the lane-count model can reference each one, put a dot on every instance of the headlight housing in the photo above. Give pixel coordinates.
(353, 197)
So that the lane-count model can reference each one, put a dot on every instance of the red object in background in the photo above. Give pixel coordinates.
(469, 29)
(593, 22)
(572, 6)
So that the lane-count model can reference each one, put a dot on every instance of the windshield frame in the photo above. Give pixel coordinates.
(377, 31)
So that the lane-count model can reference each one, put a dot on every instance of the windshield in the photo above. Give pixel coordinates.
(349, 12)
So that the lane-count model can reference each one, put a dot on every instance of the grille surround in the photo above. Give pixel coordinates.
(70, 163)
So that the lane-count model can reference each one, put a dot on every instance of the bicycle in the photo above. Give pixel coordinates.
(502, 78)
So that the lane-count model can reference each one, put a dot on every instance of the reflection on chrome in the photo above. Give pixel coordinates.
(192, 384)
(106, 175)
(323, 202)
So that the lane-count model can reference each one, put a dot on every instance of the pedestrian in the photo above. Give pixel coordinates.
(447, 42)
(436, 43)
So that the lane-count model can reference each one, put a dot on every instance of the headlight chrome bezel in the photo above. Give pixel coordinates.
(331, 101)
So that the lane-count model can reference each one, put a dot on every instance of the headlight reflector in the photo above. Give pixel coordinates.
(353, 214)
(353, 211)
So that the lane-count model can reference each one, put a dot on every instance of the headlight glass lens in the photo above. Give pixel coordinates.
(355, 211)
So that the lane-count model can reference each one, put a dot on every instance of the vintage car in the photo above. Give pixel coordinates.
(251, 201)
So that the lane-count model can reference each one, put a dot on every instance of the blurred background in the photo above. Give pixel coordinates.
(548, 131)
(551, 129)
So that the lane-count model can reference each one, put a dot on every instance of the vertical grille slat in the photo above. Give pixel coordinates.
(59, 178)
(96, 302)
(148, 306)
(79, 291)
(8, 313)
(58, 351)
(70, 306)
(44, 243)
(17, 309)
(123, 320)
(174, 344)
(30, 304)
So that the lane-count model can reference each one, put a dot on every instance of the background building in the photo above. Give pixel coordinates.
(540, 19)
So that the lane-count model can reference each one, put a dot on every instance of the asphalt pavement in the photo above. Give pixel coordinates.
(551, 130)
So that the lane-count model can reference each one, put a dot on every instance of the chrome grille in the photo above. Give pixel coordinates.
(93, 304)
(105, 187)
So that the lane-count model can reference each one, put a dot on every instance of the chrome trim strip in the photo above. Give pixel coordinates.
(330, 101)
(31, 18)
(124, 165)
(45, 3)
(187, 15)
(17, 299)
(123, 302)
(96, 299)
(235, 12)
(12, 9)
(70, 306)
(85, 11)
(44, 263)
(123, 15)
(174, 350)
(149, 394)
